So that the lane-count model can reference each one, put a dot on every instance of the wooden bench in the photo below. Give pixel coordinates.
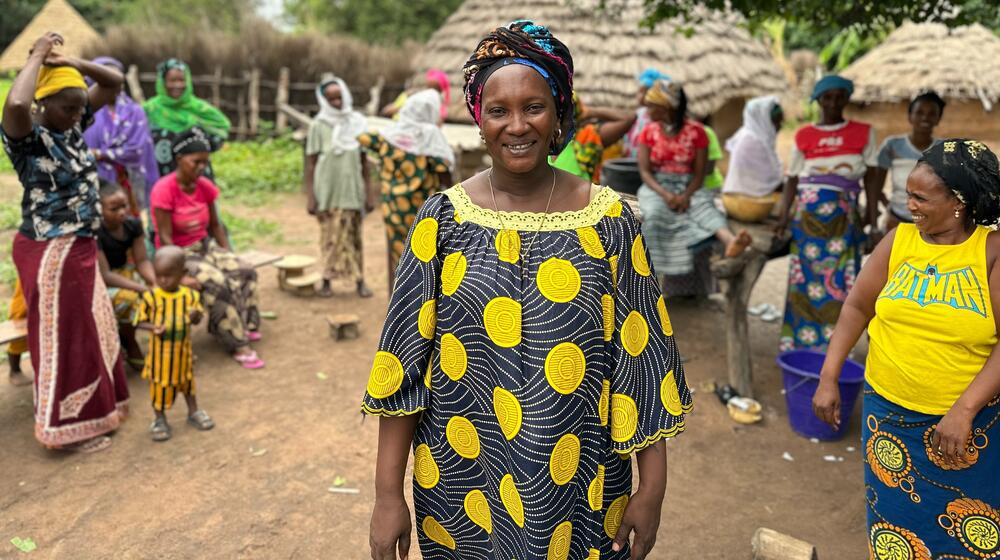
(739, 275)
(343, 326)
(12, 331)
(258, 259)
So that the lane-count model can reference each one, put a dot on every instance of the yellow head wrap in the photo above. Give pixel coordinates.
(53, 79)
(664, 93)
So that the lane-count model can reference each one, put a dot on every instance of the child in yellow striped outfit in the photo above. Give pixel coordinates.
(170, 312)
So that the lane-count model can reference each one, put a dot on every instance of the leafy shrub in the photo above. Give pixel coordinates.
(252, 172)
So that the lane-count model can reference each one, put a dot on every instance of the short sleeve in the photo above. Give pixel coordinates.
(701, 140)
(314, 144)
(714, 148)
(649, 394)
(162, 196)
(885, 154)
(870, 155)
(196, 301)
(399, 382)
(648, 135)
(796, 162)
(146, 306)
(133, 229)
(209, 192)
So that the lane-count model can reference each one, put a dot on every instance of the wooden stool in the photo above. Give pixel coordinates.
(303, 285)
(343, 326)
(292, 266)
(12, 331)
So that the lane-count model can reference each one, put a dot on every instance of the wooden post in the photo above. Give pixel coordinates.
(739, 275)
(217, 88)
(241, 112)
(281, 120)
(134, 85)
(254, 96)
(374, 103)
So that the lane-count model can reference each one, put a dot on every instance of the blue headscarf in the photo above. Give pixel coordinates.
(832, 81)
(649, 77)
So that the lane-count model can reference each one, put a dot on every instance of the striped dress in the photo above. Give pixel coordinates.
(169, 363)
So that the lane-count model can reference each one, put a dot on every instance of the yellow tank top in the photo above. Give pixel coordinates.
(933, 328)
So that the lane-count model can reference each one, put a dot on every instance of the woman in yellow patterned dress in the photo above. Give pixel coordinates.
(415, 160)
(527, 353)
(930, 297)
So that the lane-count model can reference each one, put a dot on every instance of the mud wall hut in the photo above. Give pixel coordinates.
(720, 64)
(962, 65)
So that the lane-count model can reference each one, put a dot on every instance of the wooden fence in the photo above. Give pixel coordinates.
(250, 99)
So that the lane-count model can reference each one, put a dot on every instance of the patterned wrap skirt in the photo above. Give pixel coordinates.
(80, 386)
(824, 262)
(228, 290)
(671, 236)
(125, 302)
(340, 240)
(918, 507)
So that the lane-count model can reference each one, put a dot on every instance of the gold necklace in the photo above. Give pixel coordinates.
(523, 253)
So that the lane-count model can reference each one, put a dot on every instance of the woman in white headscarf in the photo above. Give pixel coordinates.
(336, 178)
(416, 160)
(755, 172)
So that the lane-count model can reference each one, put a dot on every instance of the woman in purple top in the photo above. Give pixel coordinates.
(122, 145)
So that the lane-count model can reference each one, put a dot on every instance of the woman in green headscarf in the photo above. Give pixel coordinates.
(175, 110)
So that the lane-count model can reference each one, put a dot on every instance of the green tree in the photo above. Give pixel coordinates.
(374, 21)
(862, 15)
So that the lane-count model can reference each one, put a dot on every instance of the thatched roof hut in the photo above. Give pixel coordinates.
(58, 16)
(962, 65)
(720, 63)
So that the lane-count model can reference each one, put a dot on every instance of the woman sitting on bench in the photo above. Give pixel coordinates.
(184, 214)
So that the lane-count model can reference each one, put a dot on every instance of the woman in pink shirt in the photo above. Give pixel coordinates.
(184, 214)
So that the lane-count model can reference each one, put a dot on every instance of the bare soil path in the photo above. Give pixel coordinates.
(257, 485)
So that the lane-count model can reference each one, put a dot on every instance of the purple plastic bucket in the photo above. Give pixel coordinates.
(800, 374)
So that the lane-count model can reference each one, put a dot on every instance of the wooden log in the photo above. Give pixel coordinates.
(134, 84)
(216, 86)
(300, 118)
(253, 95)
(771, 545)
(739, 276)
(281, 98)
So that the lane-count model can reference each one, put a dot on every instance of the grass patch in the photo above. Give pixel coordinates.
(249, 232)
(252, 172)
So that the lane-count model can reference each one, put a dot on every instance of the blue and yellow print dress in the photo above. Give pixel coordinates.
(534, 391)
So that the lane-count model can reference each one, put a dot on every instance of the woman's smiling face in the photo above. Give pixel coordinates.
(931, 203)
(518, 118)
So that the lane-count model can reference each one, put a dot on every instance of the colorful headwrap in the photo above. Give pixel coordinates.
(523, 42)
(833, 81)
(971, 171)
(191, 142)
(664, 93)
(441, 79)
(649, 76)
(53, 79)
(178, 115)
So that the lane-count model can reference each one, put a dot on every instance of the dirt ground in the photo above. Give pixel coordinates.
(257, 485)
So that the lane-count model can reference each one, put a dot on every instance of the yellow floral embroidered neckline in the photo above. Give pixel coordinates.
(468, 211)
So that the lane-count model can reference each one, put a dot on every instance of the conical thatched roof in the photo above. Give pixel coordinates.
(719, 62)
(58, 16)
(961, 63)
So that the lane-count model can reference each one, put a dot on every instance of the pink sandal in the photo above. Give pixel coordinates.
(249, 361)
(254, 336)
